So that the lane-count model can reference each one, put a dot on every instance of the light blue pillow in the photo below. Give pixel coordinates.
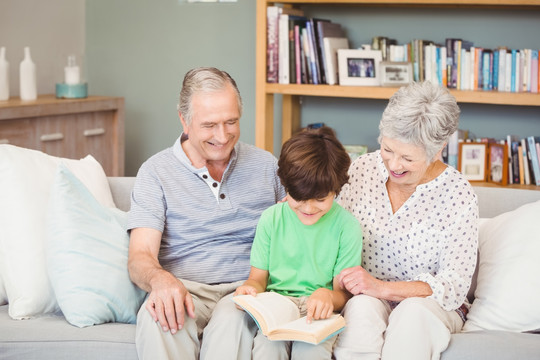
(87, 253)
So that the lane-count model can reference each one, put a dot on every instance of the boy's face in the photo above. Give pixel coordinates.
(310, 211)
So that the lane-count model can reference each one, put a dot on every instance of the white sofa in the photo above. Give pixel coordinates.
(52, 337)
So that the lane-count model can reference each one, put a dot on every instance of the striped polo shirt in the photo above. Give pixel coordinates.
(207, 226)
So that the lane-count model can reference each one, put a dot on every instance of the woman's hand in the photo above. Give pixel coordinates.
(320, 305)
(358, 281)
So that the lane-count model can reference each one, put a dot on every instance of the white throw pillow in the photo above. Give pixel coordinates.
(3, 295)
(87, 255)
(26, 177)
(507, 296)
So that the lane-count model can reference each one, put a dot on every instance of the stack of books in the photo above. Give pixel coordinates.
(302, 50)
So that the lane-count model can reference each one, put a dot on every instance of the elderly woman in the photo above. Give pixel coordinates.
(419, 219)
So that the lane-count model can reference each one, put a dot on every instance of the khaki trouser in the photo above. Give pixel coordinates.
(228, 333)
(417, 329)
(264, 349)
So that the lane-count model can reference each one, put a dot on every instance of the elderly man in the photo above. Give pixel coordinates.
(193, 216)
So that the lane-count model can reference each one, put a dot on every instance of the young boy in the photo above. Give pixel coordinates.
(301, 245)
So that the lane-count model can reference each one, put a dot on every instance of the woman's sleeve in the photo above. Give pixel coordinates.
(458, 256)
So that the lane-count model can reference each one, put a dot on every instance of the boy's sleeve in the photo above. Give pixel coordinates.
(260, 251)
(350, 246)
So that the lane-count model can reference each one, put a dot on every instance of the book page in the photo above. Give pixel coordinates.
(315, 332)
(274, 308)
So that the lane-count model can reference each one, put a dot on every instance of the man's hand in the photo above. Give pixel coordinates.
(320, 305)
(168, 302)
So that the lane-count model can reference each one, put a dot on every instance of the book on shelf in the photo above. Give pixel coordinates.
(517, 159)
(331, 47)
(534, 157)
(327, 29)
(278, 318)
(285, 39)
(525, 162)
(458, 136)
(272, 39)
(509, 140)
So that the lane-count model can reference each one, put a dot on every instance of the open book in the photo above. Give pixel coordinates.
(279, 319)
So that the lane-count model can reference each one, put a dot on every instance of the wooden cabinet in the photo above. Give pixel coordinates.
(264, 134)
(70, 128)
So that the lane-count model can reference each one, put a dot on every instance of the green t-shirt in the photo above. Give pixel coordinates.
(303, 258)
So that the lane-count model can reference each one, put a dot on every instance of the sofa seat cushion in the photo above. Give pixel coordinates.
(493, 344)
(52, 337)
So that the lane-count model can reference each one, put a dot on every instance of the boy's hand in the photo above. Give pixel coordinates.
(320, 305)
(245, 290)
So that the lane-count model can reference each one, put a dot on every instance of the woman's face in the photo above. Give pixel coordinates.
(407, 164)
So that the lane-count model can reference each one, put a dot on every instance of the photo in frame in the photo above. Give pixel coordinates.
(497, 164)
(359, 67)
(396, 73)
(472, 160)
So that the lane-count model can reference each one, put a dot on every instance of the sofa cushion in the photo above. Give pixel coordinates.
(508, 289)
(491, 345)
(25, 180)
(87, 253)
(51, 337)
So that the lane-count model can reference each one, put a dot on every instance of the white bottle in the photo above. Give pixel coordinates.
(4, 75)
(72, 74)
(28, 83)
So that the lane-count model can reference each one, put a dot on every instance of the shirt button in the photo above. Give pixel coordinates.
(214, 184)
(205, 176)
(222, 196)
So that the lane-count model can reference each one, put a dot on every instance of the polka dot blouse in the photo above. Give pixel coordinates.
(432, 238)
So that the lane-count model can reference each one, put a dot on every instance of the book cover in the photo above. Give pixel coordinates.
(525, 160)
(508, 72)
(509, 140)
(487, 83)
(449, 42)
(521, 165)
(517, 167)
(312, 53)
(533, 160)
(317, 49)
(453, 146)
(294, 22)
(534, 71)
(272, 18)
(331, 46)
(278, 318)
(502, 70)
(331, 30)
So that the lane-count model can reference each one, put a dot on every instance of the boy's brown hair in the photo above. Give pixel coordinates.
(313, 163)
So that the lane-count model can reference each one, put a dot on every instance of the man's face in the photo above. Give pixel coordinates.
(214, 127)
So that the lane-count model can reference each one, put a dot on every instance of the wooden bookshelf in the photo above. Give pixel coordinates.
(291, 93)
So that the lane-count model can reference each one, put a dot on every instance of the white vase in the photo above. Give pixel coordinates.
(28, 83)
(4, 75)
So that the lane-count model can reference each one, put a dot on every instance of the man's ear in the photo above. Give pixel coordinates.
(183, 122)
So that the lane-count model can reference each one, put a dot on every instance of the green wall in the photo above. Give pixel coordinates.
(140, 49)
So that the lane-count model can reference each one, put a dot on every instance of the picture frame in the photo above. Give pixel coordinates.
(396, 73)
(497, 164)
(472, 160)
(359, 67)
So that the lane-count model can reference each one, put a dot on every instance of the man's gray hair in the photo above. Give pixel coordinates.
(421, 114)
(204, 79)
